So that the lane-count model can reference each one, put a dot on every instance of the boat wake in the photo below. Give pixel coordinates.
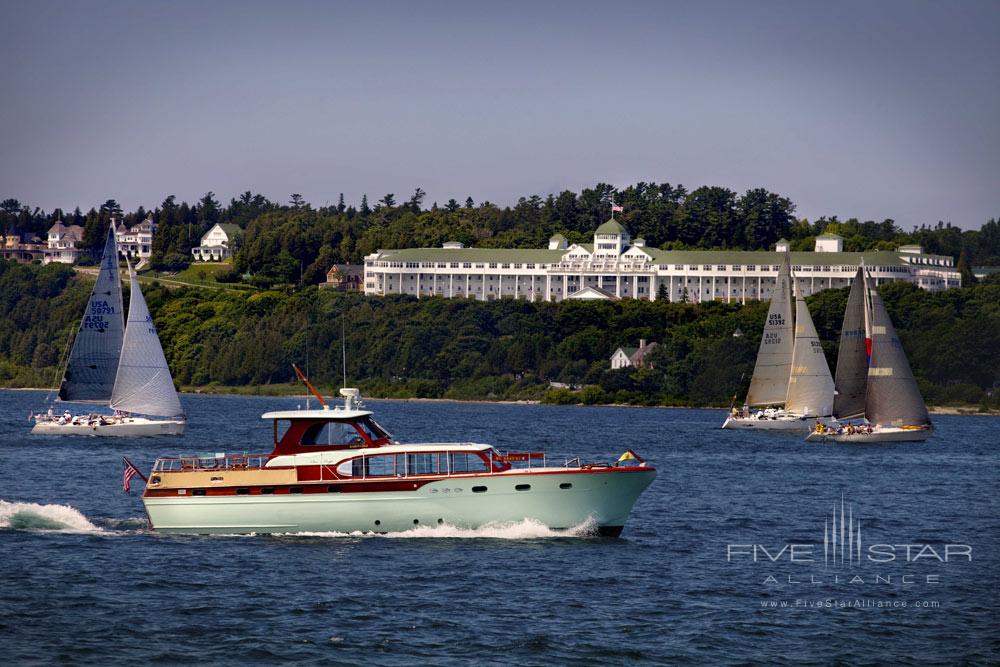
(32, 516)
(527, 529)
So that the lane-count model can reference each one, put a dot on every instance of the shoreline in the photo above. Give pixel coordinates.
(255, 390)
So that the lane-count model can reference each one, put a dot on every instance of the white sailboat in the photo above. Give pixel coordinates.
(874, 380)
(122, 366)
(791, 387)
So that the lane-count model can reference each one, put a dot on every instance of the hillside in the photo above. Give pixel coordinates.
(404, 347)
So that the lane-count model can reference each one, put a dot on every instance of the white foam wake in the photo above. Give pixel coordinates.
(32, 516)
(526, 529)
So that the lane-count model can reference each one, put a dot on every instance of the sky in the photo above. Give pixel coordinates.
(884, 109)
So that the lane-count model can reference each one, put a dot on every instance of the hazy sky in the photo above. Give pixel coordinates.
(866, 109)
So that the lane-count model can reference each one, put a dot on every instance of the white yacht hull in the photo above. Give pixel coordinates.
(781, 422)
(879, 434)
(130, 427)
(605, 496)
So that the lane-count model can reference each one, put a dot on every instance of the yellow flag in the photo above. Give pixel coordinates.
(626, 456)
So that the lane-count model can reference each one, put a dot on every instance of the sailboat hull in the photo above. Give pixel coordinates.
(888, 434)
(780, 422)
(131, 427)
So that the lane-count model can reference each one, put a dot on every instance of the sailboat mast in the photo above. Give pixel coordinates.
(868, 312)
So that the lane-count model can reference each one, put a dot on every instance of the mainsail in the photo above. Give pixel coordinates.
(893, 398)
(90, 371)
(769, 383)
(143, 383)
(810, 386)
(852, 360)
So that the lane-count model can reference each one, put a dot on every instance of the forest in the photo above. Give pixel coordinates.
(296, 244)
(399, 346)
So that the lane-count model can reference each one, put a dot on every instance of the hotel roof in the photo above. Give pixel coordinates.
(662, 257)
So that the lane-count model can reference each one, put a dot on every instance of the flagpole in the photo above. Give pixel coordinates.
(133, 467)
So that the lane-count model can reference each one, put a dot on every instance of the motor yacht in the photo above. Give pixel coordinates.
(337, 470)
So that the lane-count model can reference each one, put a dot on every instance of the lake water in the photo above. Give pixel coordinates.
(86, 582)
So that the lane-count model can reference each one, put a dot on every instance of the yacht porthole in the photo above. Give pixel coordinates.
(416, 521)
(377, 522)
(440, 521)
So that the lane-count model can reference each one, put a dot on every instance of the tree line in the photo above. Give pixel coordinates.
(509, 349)
(296, 243)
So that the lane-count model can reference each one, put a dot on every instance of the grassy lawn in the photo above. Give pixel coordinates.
(198, 273)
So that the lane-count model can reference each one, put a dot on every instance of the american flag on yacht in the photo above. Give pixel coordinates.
(128, 472)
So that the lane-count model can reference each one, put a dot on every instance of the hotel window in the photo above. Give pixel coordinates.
(454, 265)
(721, 267)
(737, 267)
(528, 266)
(493, 265)
(751, 267)
(505, 266)
(707, 267)
(466, 265)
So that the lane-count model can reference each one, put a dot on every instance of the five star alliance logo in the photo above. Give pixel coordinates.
(843, 548)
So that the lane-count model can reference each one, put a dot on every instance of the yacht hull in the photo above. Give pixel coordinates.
(604, 496)
(778, 423)
(877, 435)
(131, 427)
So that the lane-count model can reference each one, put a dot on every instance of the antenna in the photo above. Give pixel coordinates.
(343, 346)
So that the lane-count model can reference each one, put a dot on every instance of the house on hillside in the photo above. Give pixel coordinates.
(217, 243)
(62, 244)
(633, 357)
(23, 247)
(136, 242)
(344, 277)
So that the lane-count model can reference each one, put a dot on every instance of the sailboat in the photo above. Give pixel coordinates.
(874, 380)
(118, 365)
(791, 385)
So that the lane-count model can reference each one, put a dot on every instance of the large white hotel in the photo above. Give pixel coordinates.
(617, 267)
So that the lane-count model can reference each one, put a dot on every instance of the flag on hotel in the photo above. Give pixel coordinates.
(128, 472)
(615, 208)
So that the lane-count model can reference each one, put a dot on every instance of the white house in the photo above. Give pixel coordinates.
(632, 357)
(614, 266)
(62, 243)
(136, 242)
(217, 243)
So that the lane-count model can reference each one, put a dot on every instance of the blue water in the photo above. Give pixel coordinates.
(86, 582)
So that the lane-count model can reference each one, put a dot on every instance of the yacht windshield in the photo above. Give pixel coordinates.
(332, 433)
